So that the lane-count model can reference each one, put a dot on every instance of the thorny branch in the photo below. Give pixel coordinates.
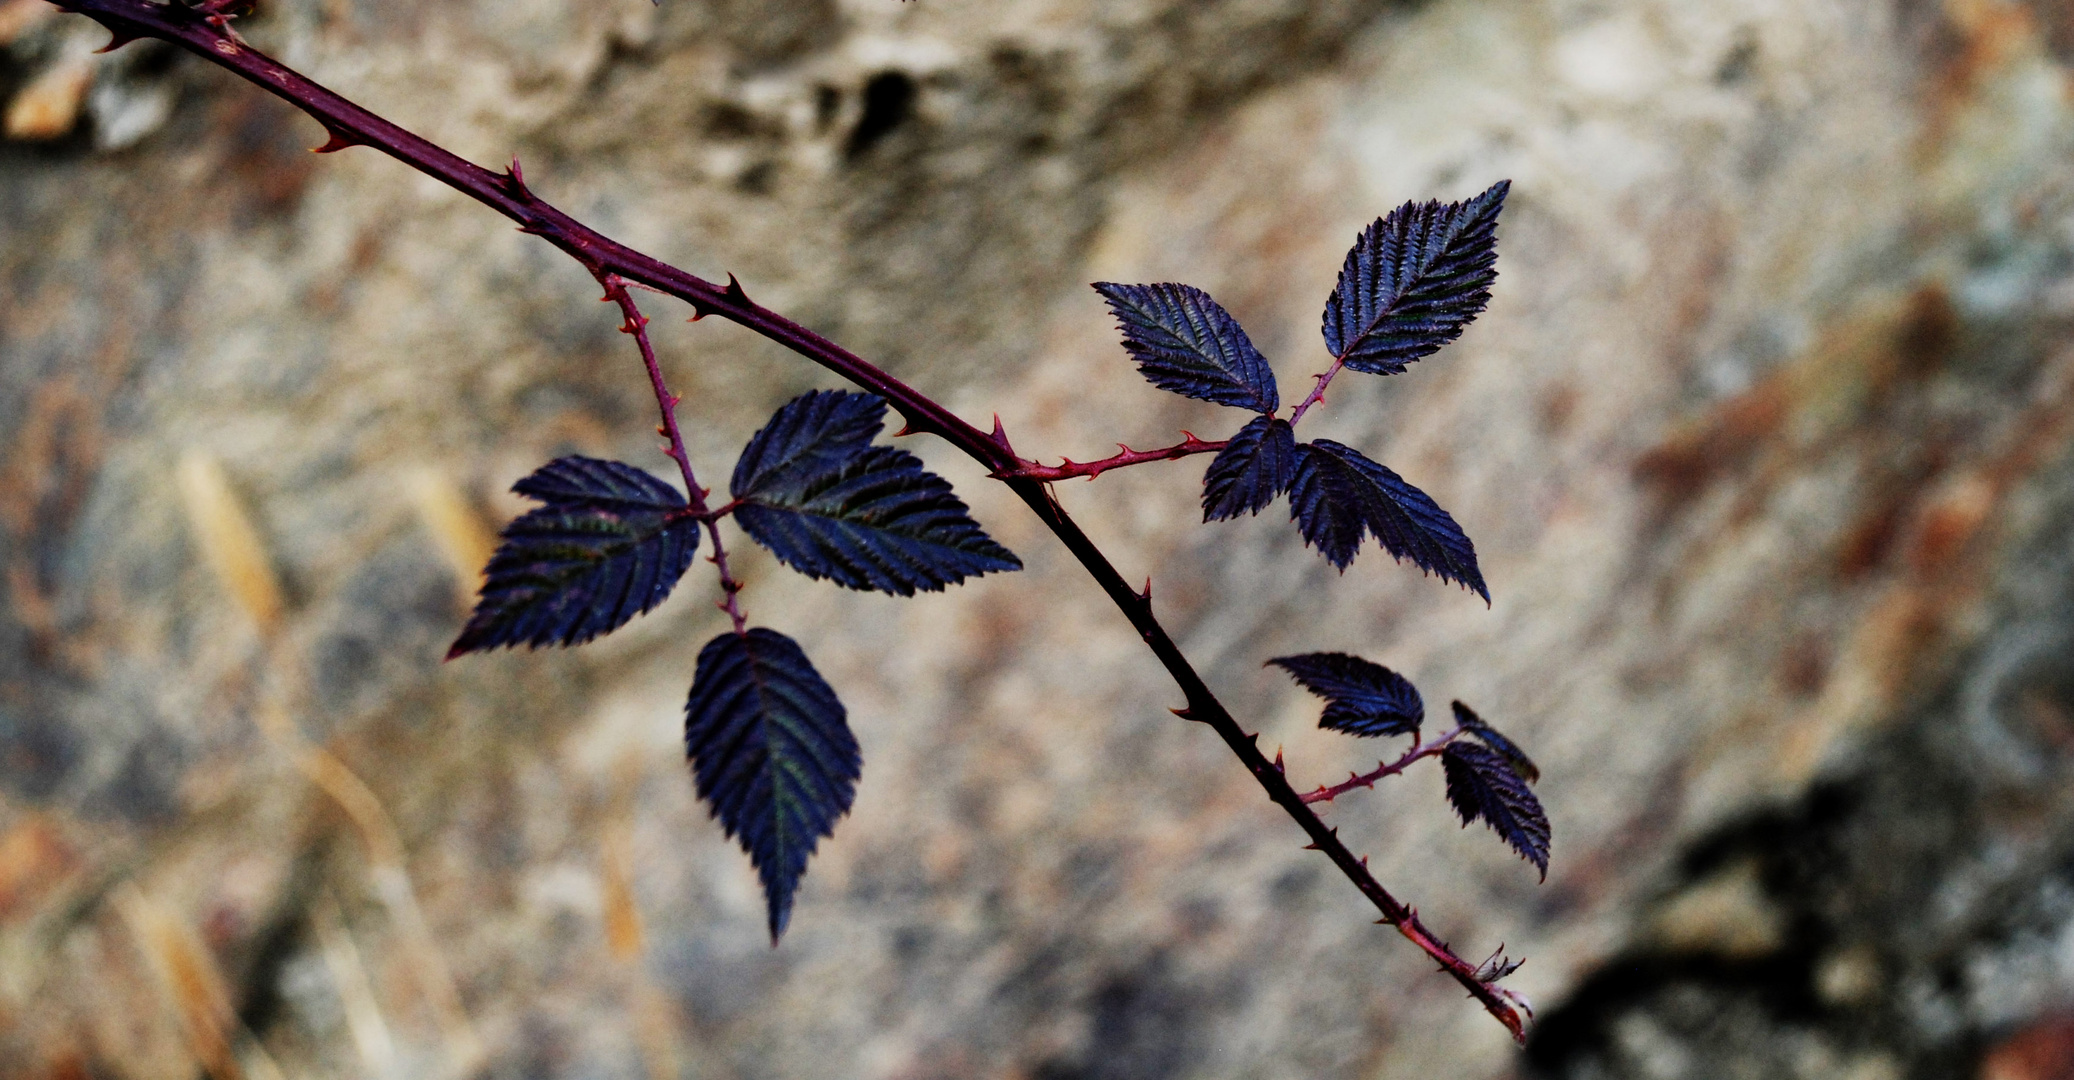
(1329, 792)
(350, 125)
(1189, 444)
(1317, 393)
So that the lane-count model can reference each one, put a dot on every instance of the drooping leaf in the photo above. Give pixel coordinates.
(1482, 784)
(771, 753)
(1339, 496)
(1255, 466)
(1413, 280)
(808, 436)
(1362, 698)
(604, 548)
(831, 505)
(1186, 342)
(1506, 748)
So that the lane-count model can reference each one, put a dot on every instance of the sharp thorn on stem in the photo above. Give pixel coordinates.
(116, 40)
(334, 144)
(1146, 594)
(736, 293)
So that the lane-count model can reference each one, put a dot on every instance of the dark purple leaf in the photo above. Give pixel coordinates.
(1362, 698)
(1413, 280)
(1186, 342)
(1340, 496)
(1482, 784)
(605, 548)
(1254, 467)
(1506, 748)
(771, 753)
(863, 516)
(808, 436)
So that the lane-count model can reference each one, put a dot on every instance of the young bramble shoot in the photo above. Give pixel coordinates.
(1413, 280)
(770, 746)
(1487, 778)
(769, 741)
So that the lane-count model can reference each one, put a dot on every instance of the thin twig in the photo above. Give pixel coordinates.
(1317, 393)
(350, 125)
(1329, 792)
(1189, 444)
(637, 325)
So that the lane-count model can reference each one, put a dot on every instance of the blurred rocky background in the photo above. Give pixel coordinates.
(1763, 442)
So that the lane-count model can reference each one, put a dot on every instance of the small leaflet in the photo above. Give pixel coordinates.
(606, 546)
(1506, 748)
(1186, 342)
(1257, 464)
(772, 755)
(1362, 698)
(1413, 280)
(1482, 784)
(1339, 496)
(831, 505)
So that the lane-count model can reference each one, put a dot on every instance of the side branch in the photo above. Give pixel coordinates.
(1317, 394)
(1329, 792)
(617, 266)
(1189, 444)
(695, 496)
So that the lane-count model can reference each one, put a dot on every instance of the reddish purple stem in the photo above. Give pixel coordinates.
(1189, 444)
(1317, 393)
(637, 325)
(1330, 792)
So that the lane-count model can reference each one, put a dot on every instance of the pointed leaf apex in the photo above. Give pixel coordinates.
(1185, 342)
(1412, 281)
(772, 755)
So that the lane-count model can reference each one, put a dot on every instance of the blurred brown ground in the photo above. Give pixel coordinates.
(1763, 443)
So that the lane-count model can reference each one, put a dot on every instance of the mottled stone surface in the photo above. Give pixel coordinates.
(1763, 443)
